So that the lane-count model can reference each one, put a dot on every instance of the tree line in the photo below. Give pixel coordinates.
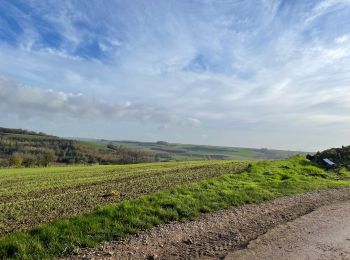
(25, 150)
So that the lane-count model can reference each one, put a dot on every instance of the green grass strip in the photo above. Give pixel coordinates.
(262, 181)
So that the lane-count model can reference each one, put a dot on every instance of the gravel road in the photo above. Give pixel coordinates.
(322, 234)
(240, 232)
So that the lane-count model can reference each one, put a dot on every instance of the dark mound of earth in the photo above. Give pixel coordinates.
(339, 156)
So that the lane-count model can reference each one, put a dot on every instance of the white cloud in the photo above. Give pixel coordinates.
(343, 39)
(229, 68)
(30, 102)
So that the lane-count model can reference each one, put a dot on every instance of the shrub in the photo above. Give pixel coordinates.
(16, 160)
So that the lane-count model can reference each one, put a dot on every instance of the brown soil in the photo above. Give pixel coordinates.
(216, 235)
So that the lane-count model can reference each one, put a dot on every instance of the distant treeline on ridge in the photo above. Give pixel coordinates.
(29, 149)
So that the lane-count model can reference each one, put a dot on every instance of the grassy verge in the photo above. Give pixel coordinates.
(262, 181)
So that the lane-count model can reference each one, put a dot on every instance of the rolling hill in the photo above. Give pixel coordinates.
(187, 152)
(20, 147)
(26, 148)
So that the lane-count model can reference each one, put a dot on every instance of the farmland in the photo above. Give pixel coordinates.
(186, 152)
(148, 195)
(38, 195)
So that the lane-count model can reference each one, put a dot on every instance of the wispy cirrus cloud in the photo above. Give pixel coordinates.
(253, 73)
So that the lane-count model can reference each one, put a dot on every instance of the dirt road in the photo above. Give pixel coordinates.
(322, 234)
(238, 233)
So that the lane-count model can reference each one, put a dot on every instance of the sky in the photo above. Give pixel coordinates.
(248, 73)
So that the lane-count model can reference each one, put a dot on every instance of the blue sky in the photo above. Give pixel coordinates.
(263, 73)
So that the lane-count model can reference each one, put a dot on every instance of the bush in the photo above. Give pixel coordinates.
(48, 156)
(16, 160)
(30, 160)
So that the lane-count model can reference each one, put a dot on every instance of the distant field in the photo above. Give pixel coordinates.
(38, 195)
(188, 152)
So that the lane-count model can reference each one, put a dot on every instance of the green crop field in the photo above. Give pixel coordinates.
(83, 206)
(38, 195)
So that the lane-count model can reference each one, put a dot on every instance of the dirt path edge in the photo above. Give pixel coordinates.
(214, 235)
